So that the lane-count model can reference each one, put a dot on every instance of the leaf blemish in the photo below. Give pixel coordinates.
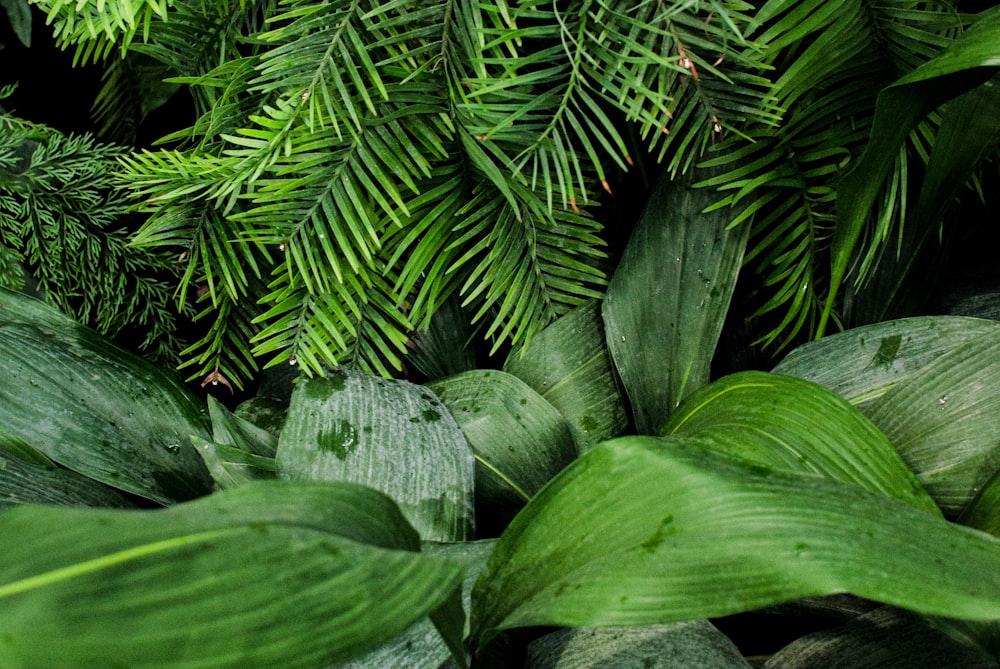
(666, 529)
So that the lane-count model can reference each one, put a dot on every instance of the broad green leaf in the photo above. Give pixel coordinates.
(648, 530)
(394, 436)
(231, 467)
(788, 424)
(269, 575)
(421, 646)
(944, 421)
(886, 638)
(264, 412)
(969, 133)
(695, 644)
(520, 441)
(95, 408)
(568, 364)
(984, 511)
(967, 62)
(668, 298)
(864, 363)
(231, 430)
(24, 482)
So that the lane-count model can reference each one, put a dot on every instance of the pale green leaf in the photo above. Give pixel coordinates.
(864, 363)
(886, 638)
(231, 430)
(231, 466)
(391, 435)
(944, 421)
(695, 644)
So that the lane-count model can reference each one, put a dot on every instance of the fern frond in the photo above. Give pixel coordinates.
(62, 218)
(351, 323)
(96, 27)
(223, 354)
(524, 269)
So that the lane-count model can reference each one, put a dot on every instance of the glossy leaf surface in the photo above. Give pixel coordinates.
(864, 363)
(520, 440)
(668, 298)
(393, 436)
(95, 408)
(332, 568)
(569, 365)
(788, 424)
(944, 420)
(644, 530)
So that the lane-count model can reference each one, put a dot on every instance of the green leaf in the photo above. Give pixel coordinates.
(688, 645)
(391, 435)
(234, 431)
(24, 482)
(231, 466)
(95, 408)
(944, 421)
(864, 363)
(443, 349)
(968, 62)
(331, 567)
(788, 424)
(19, 15)
(984, 511)
(520, 441)
(667, 300)
(569, 365)
(421, 646)
(970, 132)
(644, 530)
(264, 412)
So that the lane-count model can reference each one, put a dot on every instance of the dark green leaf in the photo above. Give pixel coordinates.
(788, 424)
(667, 300)
(32, 483)
(520, 440)
(19, 15)
(95, 408)
(968, 62)
(569, 365)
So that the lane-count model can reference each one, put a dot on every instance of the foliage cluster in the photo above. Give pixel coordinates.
(355, 165)
(359, 171)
